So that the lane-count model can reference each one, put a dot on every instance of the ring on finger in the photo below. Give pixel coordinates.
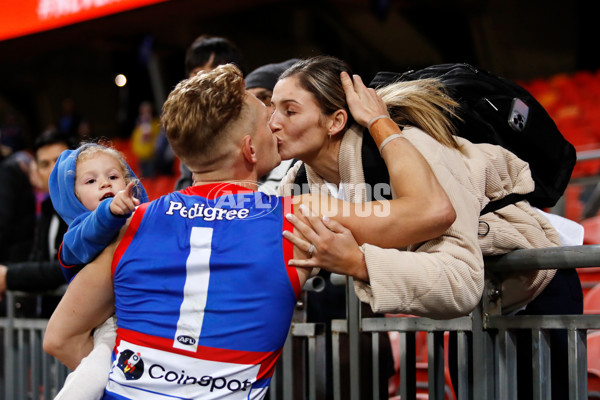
(311, 250)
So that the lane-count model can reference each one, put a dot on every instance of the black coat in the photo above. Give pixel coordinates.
(41, 272)
(17, 213)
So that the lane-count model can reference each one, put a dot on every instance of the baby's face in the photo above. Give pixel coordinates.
(98, 177)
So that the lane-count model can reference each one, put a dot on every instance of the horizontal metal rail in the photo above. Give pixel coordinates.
(566, 257)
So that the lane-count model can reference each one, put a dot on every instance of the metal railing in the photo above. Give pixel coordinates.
(29, 373)
(493, 342)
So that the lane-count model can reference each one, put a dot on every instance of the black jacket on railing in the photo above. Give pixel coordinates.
(34, 276)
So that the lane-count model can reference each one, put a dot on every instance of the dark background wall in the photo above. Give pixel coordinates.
(520, 40)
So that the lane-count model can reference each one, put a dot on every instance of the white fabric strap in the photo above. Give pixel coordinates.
(372, 121)
(388, 139)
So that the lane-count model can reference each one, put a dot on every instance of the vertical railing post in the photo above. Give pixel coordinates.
(483, 358)
(465, 391)
(540, 340)
(287, 364)
(336, 362)
(408, 365)
(578, 384)
(435, 364)
(507, 368)
(36, 349)
(375, 363)
(353, 314)
(9, 362)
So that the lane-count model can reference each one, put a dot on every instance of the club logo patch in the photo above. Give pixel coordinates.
(131, 364)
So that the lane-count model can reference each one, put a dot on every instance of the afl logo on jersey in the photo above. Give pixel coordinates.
(131, 364)
(183, 339)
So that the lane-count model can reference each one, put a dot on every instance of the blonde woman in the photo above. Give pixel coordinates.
(438, 275)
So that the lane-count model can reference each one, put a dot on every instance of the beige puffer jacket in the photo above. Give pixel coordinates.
(443, 277)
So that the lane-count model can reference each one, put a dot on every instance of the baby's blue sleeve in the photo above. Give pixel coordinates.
(88, 235)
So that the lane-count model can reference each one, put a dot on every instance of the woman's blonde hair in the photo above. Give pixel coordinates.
(421, 103)
(424, 104)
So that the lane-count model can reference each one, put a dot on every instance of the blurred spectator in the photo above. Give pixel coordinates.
(12, 136)
(208, 52)
(69, 119)
(42, 271)
(144, 137)
(260, 83)
(262, 80)
(204, 54)
(17, 208)
(164, 155)
(84, 131)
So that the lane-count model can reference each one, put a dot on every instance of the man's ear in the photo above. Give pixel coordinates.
(248, 150)
(337, 122)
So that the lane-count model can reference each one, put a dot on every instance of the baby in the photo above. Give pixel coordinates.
(94, 191)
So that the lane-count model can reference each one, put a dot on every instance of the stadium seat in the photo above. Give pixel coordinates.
(124, 146)
(593, 384)
(591, 301)
(593, 350)
(591, 227)
(589, 277)
(159, 185)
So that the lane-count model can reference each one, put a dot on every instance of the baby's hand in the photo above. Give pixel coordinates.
(124, 202)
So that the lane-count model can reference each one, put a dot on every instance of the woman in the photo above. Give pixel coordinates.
(439, 276)
(313, 124)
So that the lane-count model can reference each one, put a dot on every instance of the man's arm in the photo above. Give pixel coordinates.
(87, 303)
(421, 210)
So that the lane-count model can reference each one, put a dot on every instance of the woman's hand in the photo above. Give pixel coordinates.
(364, 103)
(335, 249)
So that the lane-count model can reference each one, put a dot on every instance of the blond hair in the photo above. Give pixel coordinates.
(198, 112)
(424, 104)
(89, 150)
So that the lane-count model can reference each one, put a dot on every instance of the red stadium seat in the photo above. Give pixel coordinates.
(591, 227)
(591, 302)
(593, 384)
(593, 350)
(124, 146)
(589, 277)
(159, 185)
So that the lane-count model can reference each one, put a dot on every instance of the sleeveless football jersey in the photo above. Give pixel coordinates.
(203, 295)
